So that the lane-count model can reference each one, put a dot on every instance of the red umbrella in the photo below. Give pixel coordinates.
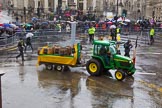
(109, 22)
(1, 24)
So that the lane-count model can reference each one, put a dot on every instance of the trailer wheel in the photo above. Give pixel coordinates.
(119, 75)
(58, 67)
(94, 67)
(49, 66)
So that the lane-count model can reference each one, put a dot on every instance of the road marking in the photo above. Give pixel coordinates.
(151, 85)
(150, 53)
(156, 53)
(145, 73)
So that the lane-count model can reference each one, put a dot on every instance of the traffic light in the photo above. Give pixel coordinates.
(24, 10)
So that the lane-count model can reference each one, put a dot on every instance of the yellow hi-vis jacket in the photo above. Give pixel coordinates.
(152, 32)
(117, 30)
(91, 30)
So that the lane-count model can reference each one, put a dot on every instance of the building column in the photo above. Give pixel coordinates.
(64, 4)
(35, 5)
(15, 3)
(46, 6)
(26, 3)
(76, 2)
(85, 6)
(94, 4)
(55, 5)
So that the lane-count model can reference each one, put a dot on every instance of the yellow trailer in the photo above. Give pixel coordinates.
(58, 57)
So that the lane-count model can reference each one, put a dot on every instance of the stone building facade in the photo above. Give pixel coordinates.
(144, 9)
(134, 8)
(54, 4)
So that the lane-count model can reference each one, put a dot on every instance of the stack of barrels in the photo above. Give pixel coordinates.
(58, 50)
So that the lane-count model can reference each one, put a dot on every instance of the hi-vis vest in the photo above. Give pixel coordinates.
(152, 32)
(117, 30)
(22, 42)
(91, 30)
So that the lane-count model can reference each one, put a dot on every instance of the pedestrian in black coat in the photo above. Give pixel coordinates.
(21, 46)
(128, 45)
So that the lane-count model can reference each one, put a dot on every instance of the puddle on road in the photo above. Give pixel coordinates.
(71, 89)
(80, 90)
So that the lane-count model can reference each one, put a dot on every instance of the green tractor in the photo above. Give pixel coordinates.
(105, 57)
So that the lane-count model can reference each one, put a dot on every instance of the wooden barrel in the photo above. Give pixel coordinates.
(56, 49)
(50, 51)
(63, 51)
(68, 50)
(45, 51)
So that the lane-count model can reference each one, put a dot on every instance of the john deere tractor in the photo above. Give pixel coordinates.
(104, 59)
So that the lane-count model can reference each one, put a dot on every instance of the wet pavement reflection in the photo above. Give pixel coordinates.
(28, 86)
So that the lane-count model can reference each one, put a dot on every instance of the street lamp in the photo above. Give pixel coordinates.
(118, 4)
(53, 6)
(153, 13)
(117, 7)
(1, 73)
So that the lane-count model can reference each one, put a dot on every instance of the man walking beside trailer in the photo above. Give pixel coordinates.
(20, 46)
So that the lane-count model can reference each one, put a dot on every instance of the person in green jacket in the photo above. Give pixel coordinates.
(152, 33)
(91, 32)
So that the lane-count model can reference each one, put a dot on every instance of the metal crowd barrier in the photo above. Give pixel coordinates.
(41, 37)
(8, 40)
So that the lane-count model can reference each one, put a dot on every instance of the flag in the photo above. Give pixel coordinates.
(134, 52)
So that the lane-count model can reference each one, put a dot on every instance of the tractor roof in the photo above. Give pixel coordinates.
(104, 42)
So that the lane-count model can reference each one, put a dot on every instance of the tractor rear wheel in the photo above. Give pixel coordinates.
(94, 67)
(119, 75)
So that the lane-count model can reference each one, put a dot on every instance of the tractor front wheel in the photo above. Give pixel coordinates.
(94, 67)
(119, 75)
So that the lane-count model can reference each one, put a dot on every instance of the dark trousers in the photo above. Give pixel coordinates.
(30, 45)
(113, 35)
(151, 39)
(127, 53)
(114, 38)
(20, 54)
(91, 37)
(106, 58)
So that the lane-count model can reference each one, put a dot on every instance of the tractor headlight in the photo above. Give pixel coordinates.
(130, 61)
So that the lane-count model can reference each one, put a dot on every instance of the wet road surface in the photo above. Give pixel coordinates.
(28, 86)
